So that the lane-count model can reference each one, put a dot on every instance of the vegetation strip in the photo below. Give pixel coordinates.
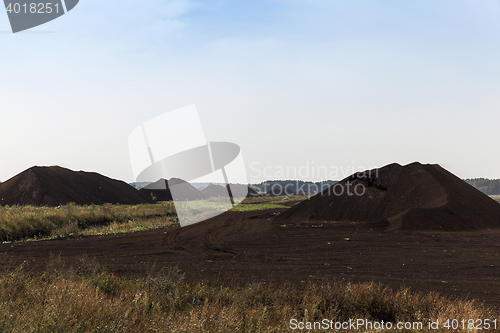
(22, 223)
(89, 299)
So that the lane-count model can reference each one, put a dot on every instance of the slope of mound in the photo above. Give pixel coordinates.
(168, 190)
(215, 191)
(53, 186)
(411, 197)
(251, 191)
(238, 191)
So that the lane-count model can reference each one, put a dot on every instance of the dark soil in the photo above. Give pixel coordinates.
(53, 186)
(398, 234)
(250, 246)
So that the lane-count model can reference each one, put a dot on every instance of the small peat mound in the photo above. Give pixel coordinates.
(53, 186)
(234, 190)
(411, 197)
(240, 191)
(173, 189)
(215, 191)
(251, 191)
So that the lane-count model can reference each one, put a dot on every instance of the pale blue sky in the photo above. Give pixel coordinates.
(333, 83)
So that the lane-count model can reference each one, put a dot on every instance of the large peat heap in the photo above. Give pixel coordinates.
(53, 186)
(411, 197)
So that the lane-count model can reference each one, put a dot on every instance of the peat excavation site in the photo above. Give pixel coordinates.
(415, 226)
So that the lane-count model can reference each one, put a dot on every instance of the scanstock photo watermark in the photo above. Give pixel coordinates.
(24, 15)
(414, 326)
(171, 151)
(308, 170)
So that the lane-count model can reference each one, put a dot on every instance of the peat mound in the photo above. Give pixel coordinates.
(215, 191)
(411, 197)
(168, 190)
(53, 186)
(240, 191)
(235, 190)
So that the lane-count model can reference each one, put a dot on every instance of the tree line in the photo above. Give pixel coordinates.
(487, 186)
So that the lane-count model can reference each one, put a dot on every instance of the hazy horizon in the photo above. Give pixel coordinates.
(334, 84)
(218, 183)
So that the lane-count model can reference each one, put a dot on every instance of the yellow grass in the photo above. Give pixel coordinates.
(21, 223)
(88, 299)
(27, 222)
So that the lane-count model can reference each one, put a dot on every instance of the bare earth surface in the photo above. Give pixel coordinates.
(251, 246)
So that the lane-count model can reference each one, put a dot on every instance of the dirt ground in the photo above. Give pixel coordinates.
(239, 247)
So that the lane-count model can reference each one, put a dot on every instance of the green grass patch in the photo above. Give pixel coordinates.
(276, 200)
(250, 207)
(20, 223)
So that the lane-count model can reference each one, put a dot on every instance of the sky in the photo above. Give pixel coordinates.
(302, 86)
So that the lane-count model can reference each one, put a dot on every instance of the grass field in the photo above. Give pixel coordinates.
(88, 299)
(261, 203)
(495, 197)
(21, 223)
(26, 222)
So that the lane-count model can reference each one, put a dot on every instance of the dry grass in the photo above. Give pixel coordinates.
(88, 299)
(19, 223)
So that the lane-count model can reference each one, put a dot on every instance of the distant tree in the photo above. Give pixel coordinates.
(487, 186)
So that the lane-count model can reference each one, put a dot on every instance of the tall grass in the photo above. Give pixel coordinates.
(27, 222)
(89, 299)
